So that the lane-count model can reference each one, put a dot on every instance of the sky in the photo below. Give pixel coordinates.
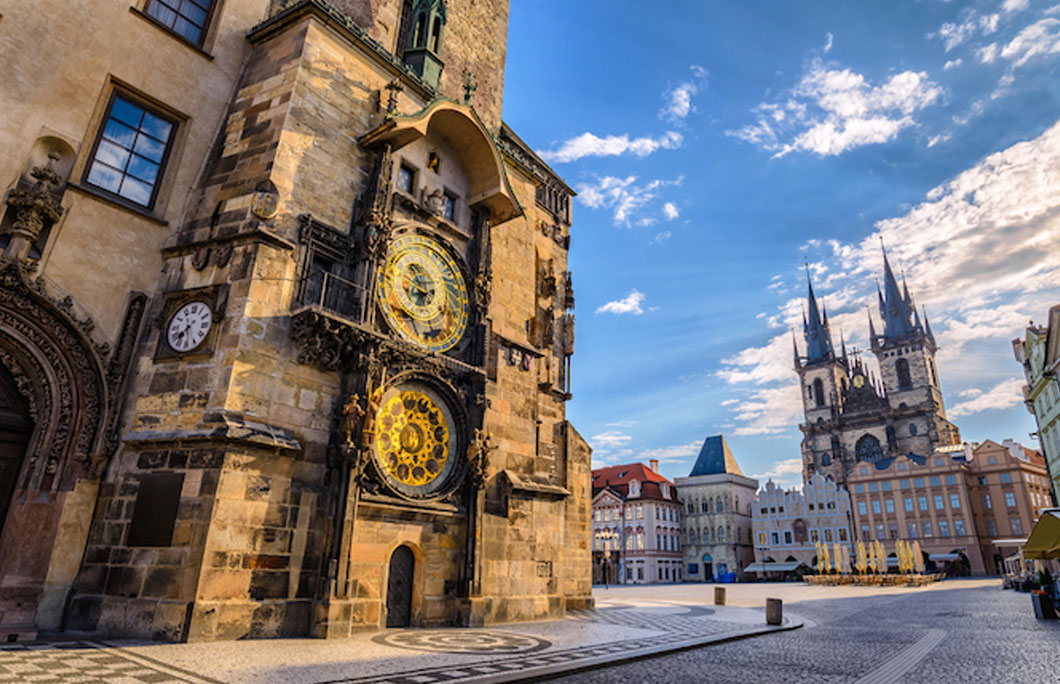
(718, 148)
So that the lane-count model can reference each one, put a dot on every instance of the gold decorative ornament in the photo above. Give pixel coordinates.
(413, 438)
(422, 293)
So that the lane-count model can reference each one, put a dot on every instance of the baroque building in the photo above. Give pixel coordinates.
(853, 415)
(968, 505)
(285, 325)
(1039, 354)
(717, 522)
(636, 526)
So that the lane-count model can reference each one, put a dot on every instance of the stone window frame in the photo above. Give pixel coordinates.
(207, 33)
(132, 98)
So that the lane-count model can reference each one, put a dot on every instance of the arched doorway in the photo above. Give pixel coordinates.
(15, 429)
(399, 588)
(708, 567)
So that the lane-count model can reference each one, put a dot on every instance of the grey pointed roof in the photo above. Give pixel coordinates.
(715, 458)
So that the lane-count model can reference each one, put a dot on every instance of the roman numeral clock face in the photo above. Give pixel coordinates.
(189, 326)
(422, 293)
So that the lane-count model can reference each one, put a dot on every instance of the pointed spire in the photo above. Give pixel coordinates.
(818, 338)
(843, 344)
(872, 326)
(795, 348)
(897, 313)
(927, 327)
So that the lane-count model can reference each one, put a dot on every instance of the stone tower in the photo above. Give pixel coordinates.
(326, 386)
(853, 415)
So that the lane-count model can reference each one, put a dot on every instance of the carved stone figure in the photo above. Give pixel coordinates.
(375, 400)
(353, 416)
(38, 204)
(435, 203)
(478, 457)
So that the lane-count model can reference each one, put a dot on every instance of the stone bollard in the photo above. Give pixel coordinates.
(774, 611)
(719, 596)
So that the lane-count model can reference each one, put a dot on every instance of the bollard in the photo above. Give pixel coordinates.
(719, 596)
(774, 611)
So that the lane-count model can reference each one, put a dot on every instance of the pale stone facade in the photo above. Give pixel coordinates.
(717, 525)
(251, 488)
(789, 523)
(636, 526)
(1039, 354)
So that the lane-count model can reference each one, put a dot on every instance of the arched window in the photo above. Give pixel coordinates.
(912, 428)
(818, 392)
(719, 505)
(721, 535)
(405, 28)
(901, 367)
(826, 459)
(419, 36)
(868, 449)
(705, 506)
(934, 376)
(436, 35)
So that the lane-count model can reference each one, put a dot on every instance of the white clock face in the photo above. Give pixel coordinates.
(189, 326)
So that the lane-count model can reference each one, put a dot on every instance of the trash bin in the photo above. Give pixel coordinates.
(1043, 606)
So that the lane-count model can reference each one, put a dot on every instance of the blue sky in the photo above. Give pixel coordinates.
(717, 147)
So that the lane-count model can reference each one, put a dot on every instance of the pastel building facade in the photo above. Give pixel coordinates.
(1039, 354)
(636, 526)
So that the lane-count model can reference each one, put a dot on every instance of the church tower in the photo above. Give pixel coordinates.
(905, 352)
(823, 382)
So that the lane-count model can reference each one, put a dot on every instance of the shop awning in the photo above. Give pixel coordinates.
(943, 556)
(1008, 542)
(770, 567)
(1044, 541)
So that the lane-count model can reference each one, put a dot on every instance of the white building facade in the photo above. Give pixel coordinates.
(789, 523)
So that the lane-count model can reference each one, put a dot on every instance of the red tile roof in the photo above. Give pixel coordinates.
(622, 474)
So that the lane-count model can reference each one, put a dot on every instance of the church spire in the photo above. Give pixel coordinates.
(927, 328)
(795, 346)
(897, 313)
(818, 338)
(872, 326)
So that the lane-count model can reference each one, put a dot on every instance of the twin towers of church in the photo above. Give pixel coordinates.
(854, 415)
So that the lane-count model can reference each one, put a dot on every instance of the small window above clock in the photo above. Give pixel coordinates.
(405, 178)
(450, 207)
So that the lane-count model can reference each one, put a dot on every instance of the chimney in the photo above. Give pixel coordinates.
(654, 465)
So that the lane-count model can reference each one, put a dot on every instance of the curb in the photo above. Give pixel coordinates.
(545, 672)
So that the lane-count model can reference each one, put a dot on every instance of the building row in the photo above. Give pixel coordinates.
(967, 506)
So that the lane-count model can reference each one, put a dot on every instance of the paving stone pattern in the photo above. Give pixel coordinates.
(990, 636)
(85, 663)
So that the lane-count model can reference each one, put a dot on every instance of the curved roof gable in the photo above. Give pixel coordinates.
(460, 127)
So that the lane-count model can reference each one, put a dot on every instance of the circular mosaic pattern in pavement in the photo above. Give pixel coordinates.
(462, 641)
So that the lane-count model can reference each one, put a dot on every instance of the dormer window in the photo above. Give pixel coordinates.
(423, 52)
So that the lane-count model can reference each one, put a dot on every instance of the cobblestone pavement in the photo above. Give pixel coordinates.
(959, 631)
(622, 626)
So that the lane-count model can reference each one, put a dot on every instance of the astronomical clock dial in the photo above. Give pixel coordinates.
(189, 326)
(422, 293)
(859, 381)
(415, 442)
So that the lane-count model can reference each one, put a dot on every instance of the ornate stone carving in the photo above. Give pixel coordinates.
(478, 458)
(37, 205)
(62, 375)
(117, 371)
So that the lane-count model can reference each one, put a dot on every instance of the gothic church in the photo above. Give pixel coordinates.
(853, 415)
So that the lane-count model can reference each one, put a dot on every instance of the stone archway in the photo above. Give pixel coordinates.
(399, 586)
(69, 388)
(16, 426)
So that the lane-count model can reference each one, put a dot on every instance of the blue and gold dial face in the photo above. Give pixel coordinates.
(415, 442)
(422, 293)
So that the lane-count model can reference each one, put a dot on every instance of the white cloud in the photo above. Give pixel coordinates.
(979, 253)
(670, 211)
(662, 237)
(730, 402)
(609, 440)
(936, 139)
(828, 40)
(679, 99)
(832, 110)
(1040, 38)
(953, 64)
(631, 304)
(1015, 5)
(1002, 396)
(670, 454)
(590, 145)
(623, 195)
(786, 473)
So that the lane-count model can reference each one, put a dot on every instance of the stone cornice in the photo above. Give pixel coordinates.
(344, 26)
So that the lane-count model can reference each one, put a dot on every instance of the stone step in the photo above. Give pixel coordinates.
(11, 633)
